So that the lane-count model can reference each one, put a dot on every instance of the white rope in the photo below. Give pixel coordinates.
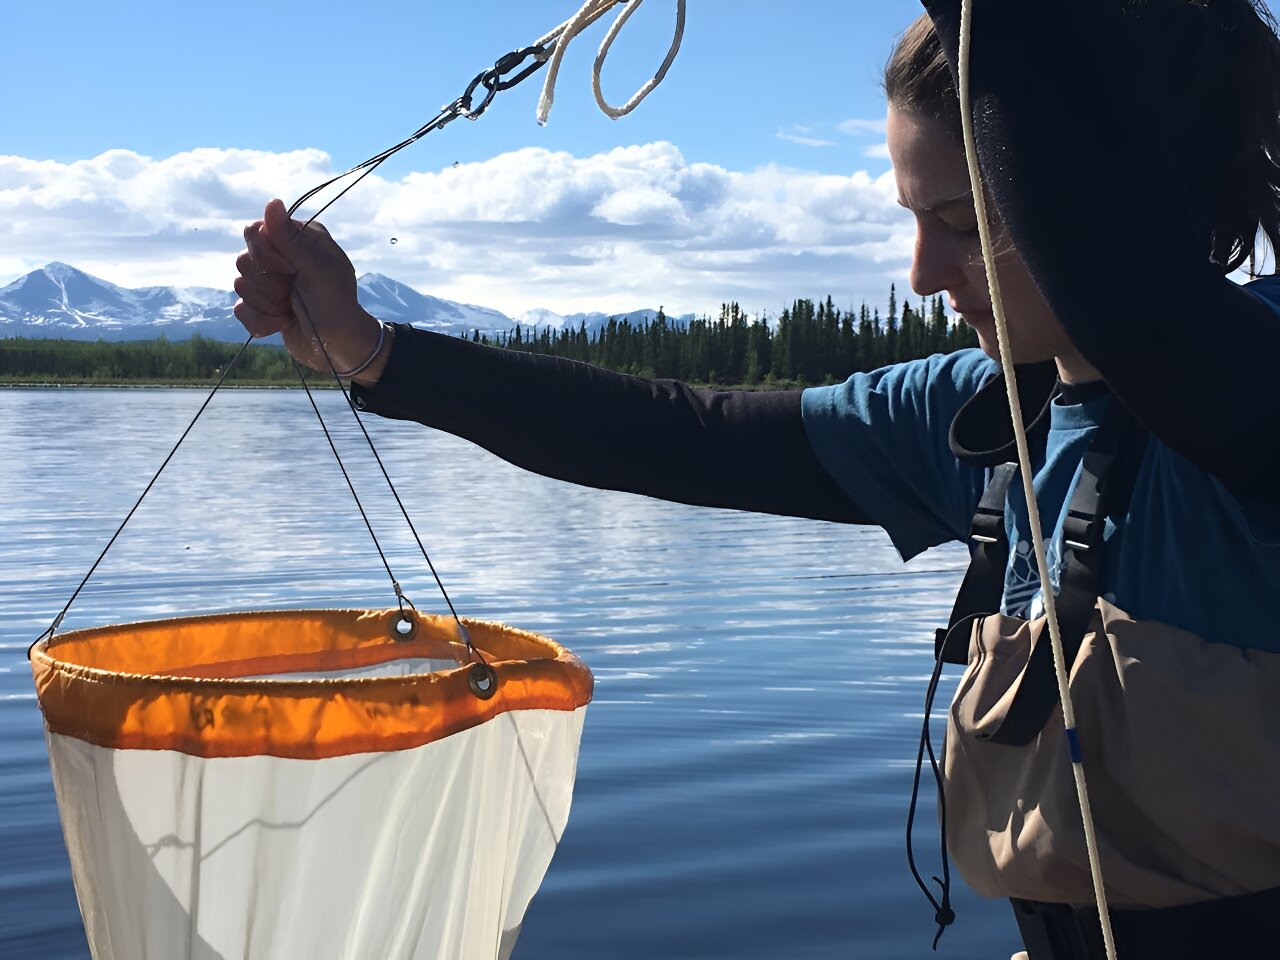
(1024, 463)
(563, 35)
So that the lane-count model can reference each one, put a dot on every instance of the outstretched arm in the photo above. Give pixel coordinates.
(742, 449)
(569, 420)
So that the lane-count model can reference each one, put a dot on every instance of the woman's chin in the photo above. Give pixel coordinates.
(987, 341)
(984, 325)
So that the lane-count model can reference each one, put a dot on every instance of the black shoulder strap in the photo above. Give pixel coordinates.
(983, 586)
(982, 434)
(1106, 481)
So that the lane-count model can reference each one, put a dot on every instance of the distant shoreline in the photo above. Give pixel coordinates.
(294, 385)
(152, 385)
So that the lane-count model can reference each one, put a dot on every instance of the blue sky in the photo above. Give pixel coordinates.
(160, 77)
(148, 132)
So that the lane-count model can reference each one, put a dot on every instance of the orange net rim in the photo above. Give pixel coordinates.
(196, 682)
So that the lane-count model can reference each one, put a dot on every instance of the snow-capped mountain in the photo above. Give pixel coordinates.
(394, 302)
(541, 317)
(60, 301)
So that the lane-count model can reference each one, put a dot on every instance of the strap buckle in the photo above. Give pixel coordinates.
(1082, 527)
(987, 525)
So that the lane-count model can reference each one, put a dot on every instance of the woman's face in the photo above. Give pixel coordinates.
(933, 183)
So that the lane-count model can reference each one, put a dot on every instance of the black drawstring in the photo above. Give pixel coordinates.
(943, 915)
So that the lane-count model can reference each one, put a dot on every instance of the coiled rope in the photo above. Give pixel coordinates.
(511, 70)
(564, 34)
(1024, 464)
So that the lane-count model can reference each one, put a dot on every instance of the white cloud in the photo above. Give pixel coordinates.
(803, 140)
(635, 226)
(858, 127)
(877, 151)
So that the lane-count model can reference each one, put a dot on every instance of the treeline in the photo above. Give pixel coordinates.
(196, 361)
(810, 343)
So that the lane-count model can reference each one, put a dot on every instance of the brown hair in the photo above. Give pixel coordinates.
(918, 79)
(1209, 69)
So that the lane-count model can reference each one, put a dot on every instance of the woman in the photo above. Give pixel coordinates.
(1130, 150)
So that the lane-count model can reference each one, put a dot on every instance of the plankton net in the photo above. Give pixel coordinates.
(353, 792)
(318, 783)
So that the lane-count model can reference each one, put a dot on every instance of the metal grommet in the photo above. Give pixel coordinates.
(482, 680)
(402, 626)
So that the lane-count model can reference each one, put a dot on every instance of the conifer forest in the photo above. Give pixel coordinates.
(809, 342)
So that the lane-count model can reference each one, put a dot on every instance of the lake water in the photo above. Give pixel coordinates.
(746, 764)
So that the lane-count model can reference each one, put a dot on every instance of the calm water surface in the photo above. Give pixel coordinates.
(746, 763)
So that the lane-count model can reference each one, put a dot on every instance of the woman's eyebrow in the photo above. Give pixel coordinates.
(966, 197)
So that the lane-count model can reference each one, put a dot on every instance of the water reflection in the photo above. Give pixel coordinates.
(746, 764)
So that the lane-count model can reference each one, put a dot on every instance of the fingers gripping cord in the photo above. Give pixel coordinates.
(1024, 462)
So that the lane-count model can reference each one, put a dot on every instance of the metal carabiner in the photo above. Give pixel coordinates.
(512, 60)
(489, 80)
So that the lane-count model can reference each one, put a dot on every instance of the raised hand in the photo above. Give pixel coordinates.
(295, 280)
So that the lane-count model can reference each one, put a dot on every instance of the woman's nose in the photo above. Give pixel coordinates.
(937, 263)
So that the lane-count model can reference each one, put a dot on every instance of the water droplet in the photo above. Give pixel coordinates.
(393, 239)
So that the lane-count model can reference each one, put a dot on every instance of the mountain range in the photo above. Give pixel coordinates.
(59, 300)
